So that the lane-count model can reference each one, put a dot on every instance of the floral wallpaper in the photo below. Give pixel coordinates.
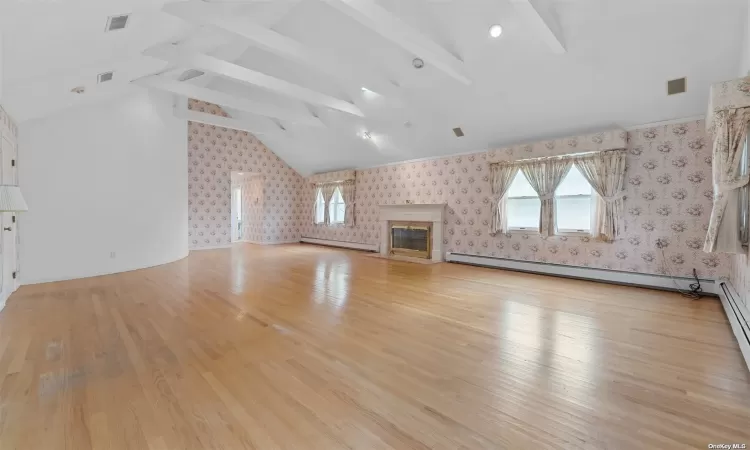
(253, 204)
(213, 154)
(667, 202)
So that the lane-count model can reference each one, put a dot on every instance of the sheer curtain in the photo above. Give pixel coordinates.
(347, 192)
(501, 177)
(545, 176)
(318, 189)
(328, 189)
(730, 130)
(605, 172)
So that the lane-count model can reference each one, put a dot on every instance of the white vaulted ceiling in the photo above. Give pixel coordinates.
(560, 67)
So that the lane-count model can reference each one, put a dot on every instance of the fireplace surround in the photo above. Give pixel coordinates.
(418, 217)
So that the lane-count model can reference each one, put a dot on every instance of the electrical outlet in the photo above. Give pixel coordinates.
(112, 255)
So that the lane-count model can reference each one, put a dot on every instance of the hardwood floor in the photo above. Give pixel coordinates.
(307, 347)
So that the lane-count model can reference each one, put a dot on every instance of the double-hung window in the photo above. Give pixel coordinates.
(320, 207)
(522, 205)
(337, 207)
(574, 205)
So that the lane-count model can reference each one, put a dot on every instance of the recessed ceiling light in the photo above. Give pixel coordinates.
(364, 89)
(418, 63)
(496, 31)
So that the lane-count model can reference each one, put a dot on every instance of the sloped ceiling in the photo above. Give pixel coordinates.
(618, 55)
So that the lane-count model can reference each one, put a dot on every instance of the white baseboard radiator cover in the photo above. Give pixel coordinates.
(341, 244)
(587, 273)
(739, 318)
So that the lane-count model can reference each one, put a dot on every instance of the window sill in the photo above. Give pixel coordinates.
(523, 231)
(573, 233)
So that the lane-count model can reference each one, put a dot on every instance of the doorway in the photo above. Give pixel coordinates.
(236, 211)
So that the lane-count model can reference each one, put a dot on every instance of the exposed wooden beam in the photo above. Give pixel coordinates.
(223, 99)
(385, 23)
(181, 112)
(206, 63)
(540, 15)
(203, 13)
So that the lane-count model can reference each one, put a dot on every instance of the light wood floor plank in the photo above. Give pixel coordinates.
(304, 347)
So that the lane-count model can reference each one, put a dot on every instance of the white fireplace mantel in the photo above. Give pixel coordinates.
(414, 212)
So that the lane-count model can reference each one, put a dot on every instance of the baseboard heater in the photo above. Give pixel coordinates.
(586, 273)
(341, 244)
(739, 318)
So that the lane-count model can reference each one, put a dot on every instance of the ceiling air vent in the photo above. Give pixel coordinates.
(117, 22)
(190, 74)
(677, 86)
(104, 77)
(458, 132)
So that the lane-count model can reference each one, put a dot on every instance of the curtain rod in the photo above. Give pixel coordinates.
(567, 155)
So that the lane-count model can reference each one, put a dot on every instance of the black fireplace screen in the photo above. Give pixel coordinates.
(410, 238)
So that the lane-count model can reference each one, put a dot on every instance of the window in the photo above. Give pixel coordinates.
(744, 198)
(320, 207)
(573, 203)
(337, 207)
(522, 205)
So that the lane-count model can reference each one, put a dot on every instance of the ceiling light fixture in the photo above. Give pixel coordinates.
(366, 135)
(496, 31)
(418, 63)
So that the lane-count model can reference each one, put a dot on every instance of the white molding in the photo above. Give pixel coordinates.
(665, 122)
(586, 273)
(342, 244)
(740, 328)
(211, 247)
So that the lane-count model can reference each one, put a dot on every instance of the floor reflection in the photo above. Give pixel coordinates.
(332, 282)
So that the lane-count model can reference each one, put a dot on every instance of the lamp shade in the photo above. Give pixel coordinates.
(11, 199)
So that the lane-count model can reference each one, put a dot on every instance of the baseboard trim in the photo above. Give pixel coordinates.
(342, 244)
(738, 316)
(585, 273)
(211, 247)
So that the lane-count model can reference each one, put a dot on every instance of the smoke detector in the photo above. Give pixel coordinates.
(104, 77)
(78, 90)
(115, 23)
(418, 63)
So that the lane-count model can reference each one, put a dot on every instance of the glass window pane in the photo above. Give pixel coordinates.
(523, 212)
(573, 213)
(574, 184)
(520, 187)
(319, 208)
(340, 211)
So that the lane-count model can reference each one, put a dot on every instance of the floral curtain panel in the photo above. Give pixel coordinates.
(327, 189)
(501, 176)
(605, 172)
(729, 133)
(347, 192)
(545, 176)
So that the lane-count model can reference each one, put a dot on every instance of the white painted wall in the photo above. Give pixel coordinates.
(104, 178)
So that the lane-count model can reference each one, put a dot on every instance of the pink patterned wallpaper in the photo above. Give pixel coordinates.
(668, 200)
(215, 152)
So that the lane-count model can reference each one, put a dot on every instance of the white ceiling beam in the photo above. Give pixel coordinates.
(206, 63)
(225, 122)
(223, 99)
(385, 23)
(540, 15)
(203, 13)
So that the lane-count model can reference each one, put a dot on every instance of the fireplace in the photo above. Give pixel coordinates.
(425, 239)
(412, 239)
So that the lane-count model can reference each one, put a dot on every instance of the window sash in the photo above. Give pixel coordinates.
(561, 209)
(744, 198)
(337, 208)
